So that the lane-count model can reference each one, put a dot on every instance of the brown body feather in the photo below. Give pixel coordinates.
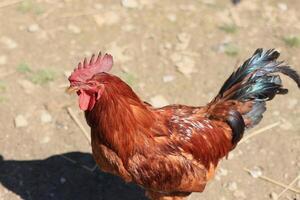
(170, 151)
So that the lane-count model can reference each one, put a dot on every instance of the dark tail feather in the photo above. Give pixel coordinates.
(257, 82)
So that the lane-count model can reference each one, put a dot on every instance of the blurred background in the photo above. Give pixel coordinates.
(169, 51)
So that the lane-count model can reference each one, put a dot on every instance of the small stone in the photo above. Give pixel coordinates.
(20, 121)
(129, 3)
(45, 140)
(128, 27)
(209, 2)
(118, 52)
(230, 156)
(62, 180)
(187, 7)
(276, 113)
(98, 6)
(33, 28)
(292, 103)
(10, 43)
(46, 117)
(231, 186)
(158, 101)
(168, 78)
(28, 86)
(172, 17)
(239, 194)
(282, 6)
(67, 73)
(185, 65)
(184, 41)
(256, 172)
(223, 172)
(74, 29)
(107, 18)
(286, 125)
(273, 196)
(3, 59)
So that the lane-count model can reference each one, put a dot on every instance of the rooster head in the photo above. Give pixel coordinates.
(81, 80)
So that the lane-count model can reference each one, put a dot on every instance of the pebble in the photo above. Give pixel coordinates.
(276, 113)
(239, 194)
(3, 59)
(230, 156)
(107, 18)
(292, 103)
(209, 2)
(256, 172)
(223, 172)
(184, 64)
(158, 101)
(129, 3)
(98, 6)
(67, 73)
(33, 28)
(187, 7)
(184, 41)
(286, 125)
(172, 17)
(128, 27)
(46, 117)
(10, 43)
(118, 52)
(20, 121)
(274, 196)
(62, 180)
(45, 140)
(74, 29)
(28, 86)
(167, 45)
(282, 6)
(168, 78)
(231, 186)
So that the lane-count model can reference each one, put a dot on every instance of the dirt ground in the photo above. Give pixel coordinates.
(169, 51)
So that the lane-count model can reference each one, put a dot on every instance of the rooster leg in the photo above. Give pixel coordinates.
(161, 196)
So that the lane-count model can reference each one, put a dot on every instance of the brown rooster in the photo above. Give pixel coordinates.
(174, 150)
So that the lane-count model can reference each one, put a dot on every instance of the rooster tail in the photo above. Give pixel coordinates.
(250, 86)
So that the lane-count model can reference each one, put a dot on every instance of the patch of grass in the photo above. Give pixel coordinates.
(3, 99)
(229, 28)
(128, 78)
(2, 86)
(27, 6)
(24, 68)
(231, 49)
(43, 76)
(292, 41)
(39, 77)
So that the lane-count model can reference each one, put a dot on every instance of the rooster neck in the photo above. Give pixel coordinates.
(120, 119)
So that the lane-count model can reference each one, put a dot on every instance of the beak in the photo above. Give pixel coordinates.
(72, 89)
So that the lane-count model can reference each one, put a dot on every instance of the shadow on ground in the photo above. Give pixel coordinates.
(57, 178)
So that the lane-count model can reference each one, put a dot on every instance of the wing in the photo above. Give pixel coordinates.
(185, 150)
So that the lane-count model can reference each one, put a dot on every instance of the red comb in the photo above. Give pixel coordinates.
(87, 70)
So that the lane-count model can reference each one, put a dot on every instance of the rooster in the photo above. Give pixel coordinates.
(174, 150)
